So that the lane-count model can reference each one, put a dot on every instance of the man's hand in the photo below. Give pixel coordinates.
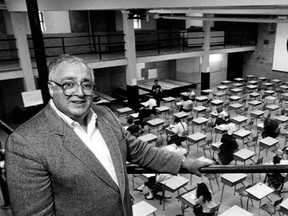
(193, 165)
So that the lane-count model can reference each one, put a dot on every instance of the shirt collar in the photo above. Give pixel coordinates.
(91, 118)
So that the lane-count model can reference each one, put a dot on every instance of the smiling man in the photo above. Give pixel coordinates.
(70, 158)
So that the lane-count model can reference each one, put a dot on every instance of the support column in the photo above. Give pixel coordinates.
(130, 54)
(39, 49)
(18, 25)
(205, 69)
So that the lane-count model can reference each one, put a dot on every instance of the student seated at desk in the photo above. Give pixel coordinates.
(222, 117)
(178, 128)
(229, 145)
(147, 109)
(204, 201)
(186, 104)
(275, 180)
(134, 128)
(191, 94)
(271, 128)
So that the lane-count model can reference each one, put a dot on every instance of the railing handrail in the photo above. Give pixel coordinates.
(134, 169)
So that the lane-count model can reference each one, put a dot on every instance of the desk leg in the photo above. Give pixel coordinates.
(222, 192)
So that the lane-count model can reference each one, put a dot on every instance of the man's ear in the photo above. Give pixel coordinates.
(50, 87)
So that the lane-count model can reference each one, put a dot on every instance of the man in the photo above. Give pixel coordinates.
(3, 183)
(70, 158)
(157, 92)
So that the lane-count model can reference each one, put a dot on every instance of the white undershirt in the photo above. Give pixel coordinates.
(92, 138)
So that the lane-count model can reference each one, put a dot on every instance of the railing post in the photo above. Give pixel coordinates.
(183, 41)
(158, 43)
(63, 45)
(99, 47)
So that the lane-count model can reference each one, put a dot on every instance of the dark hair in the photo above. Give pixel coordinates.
(185, 98)
(202, 190)
(219, 109)
(276, 159)
(130, 121)
(156, 80)
(177, 120)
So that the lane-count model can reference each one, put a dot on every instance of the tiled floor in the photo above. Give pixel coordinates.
(173, 206)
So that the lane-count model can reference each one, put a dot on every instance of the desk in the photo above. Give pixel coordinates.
(187, 199)
(284, 207)
(219, 130)
(256, 114)
(249, 77)
(173, 184)
(276, 81)
(180, 115)
(222, 87)
(235, 106)
(199, 109)
(237, 85)
(201, 99)
(241, 134)
(272, 107)
(207, 91)
(239, 79)
(262, 78)
(236, 211)
(155, 123)
(199, 121)
(234, 98)
(258, 192)
(251, 87)
(232, 180)
(281, 119)
(238, 120)
(162, 109)
(270, 98)
(254, 102)
(124, 111)
(195, 138)
(267, 143)
(148, 138)
(236, 90)
(226, 82)
(283, 87)
(269, 92)
(168, 99)
(252, 82)
(215, 147)
(219, 94)
(267, 84)
(243, 155)
(143, 209)
(216, 102)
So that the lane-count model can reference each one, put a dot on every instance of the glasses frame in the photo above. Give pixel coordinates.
(64, 90)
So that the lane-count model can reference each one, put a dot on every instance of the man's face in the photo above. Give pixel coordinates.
(78, 104)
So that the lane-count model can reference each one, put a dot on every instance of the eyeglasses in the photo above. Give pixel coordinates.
(71, 87)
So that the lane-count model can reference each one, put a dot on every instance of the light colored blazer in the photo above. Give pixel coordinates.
(50, 171)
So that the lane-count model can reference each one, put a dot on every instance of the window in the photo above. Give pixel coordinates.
(137, 23)
(42, 24)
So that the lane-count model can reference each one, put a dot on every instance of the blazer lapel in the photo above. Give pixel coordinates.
(76, 146)
(112, 143)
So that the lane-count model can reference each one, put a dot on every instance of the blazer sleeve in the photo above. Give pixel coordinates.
(28, 181)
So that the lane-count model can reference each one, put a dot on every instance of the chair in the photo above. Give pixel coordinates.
(258, 162)
(249, 125)
(252, 143)
(281, 188)
(272, 208)
(210, 177)
(163, 130)
(243, 193)
(214, 210)
(207, 146)
(209, 127)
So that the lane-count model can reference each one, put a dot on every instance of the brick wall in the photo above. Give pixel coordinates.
(260, 61)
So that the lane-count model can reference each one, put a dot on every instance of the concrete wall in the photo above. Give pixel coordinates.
(260, 62)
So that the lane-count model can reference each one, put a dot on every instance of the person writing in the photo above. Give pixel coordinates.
(271, 128)
(134, 127)
(178, 128)
(203, 201)
(70, 158)
(146, 110)
(276, 179)
(222, 116)
(157, 92)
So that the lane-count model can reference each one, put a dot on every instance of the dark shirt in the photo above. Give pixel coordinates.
(134, 129)
(270, 126)
(229, 145)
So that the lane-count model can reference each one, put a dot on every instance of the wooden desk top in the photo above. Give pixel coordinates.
(254, 102)
(235, 97)
(162, 108)
(284, 206)
(207, 91)
(196, 137)
(283, 87)
(143, 208)
(257, 112)
(190, 197)
(236, 105)
(155, 122)
(224, 82)
(238, 119)
(174, 183)
(239, 79)
(272, 107)
(148, 137)
(199, 108)
(281, 118)
(262, 78)
(200, 120)
(252, 82)
(259, 191)
(217, 102)
(269, 141)
(201, 98)
(236, 90)
(222, 87)
(233, 179)
(168, 99)
(267, 84)
(124, 110)
(270, 92)
(238, 84)
(236, 211)
(181, 115)
(251, 87)
(244, 154)
(275, 80)
(242, 133)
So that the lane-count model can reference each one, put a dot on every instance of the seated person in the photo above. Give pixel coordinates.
(222, 116)
(191, 94)
(271, 128)
(204, 201)
(275, 180)
(134, 128)
(147, 109)
(178, 128)
(186, 104)
(229, 145)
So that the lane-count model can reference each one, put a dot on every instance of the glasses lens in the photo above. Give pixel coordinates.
(88, 88)
(70, 88)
